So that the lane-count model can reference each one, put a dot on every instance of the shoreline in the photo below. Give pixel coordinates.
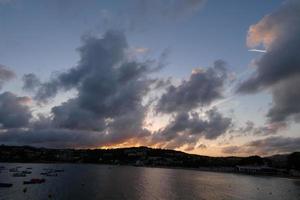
(201, 169)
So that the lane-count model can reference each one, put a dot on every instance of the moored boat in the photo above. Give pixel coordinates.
(6, 184)
(59, 170)
(35, 181)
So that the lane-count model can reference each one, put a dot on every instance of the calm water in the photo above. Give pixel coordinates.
(122, 182)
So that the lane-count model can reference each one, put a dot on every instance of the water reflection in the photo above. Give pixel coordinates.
(124, 182)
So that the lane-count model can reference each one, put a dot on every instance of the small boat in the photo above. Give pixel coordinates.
(6, 184)
(35, 181)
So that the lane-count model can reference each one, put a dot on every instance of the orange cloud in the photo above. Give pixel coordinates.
(264, 32)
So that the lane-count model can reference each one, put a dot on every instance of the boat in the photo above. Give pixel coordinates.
(6, 184)
(35, 181)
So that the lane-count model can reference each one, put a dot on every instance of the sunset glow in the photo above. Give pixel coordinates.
(175, 75)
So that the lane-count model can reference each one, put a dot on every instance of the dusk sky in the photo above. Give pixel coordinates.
(209, 77)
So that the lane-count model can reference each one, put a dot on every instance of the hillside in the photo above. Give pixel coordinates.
(144, 156)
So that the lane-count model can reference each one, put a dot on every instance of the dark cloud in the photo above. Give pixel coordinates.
(99, 56)
(110, 92)
(279, 68)
(43, 133)
(70, 115)
(30, 82)
(47, 90)
(54, 138)
(269, 129)
(162, 83)
(279, 33)
(250, 128)
(110, 104)
(203, 87)
(286, 98)
(5, 75)
(187, 129)
(14, 113)
(267, 146)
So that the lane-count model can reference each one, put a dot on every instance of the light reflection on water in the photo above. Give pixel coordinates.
(125, 182)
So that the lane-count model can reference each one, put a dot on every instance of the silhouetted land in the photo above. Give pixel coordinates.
(283, 165)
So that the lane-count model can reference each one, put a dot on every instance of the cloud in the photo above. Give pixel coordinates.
(5, 75)
(111, 104)
(54, 138)
(250, 128)
(187, 126)
(141, 50)
(231, 150)
(277, 70)
(98, 58)
(278, 32)
(286, 98)
(110, 97)
(267, 146)
(30, 82)
(203, 87)
(14, 113)
(187, 129)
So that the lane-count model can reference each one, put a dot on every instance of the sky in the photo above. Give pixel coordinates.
(209, 77)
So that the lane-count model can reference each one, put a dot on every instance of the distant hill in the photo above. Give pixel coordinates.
(144, 156)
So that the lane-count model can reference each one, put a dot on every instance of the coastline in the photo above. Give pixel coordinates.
(200, 169)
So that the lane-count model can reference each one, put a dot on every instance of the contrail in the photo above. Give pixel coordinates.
(258, 50)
